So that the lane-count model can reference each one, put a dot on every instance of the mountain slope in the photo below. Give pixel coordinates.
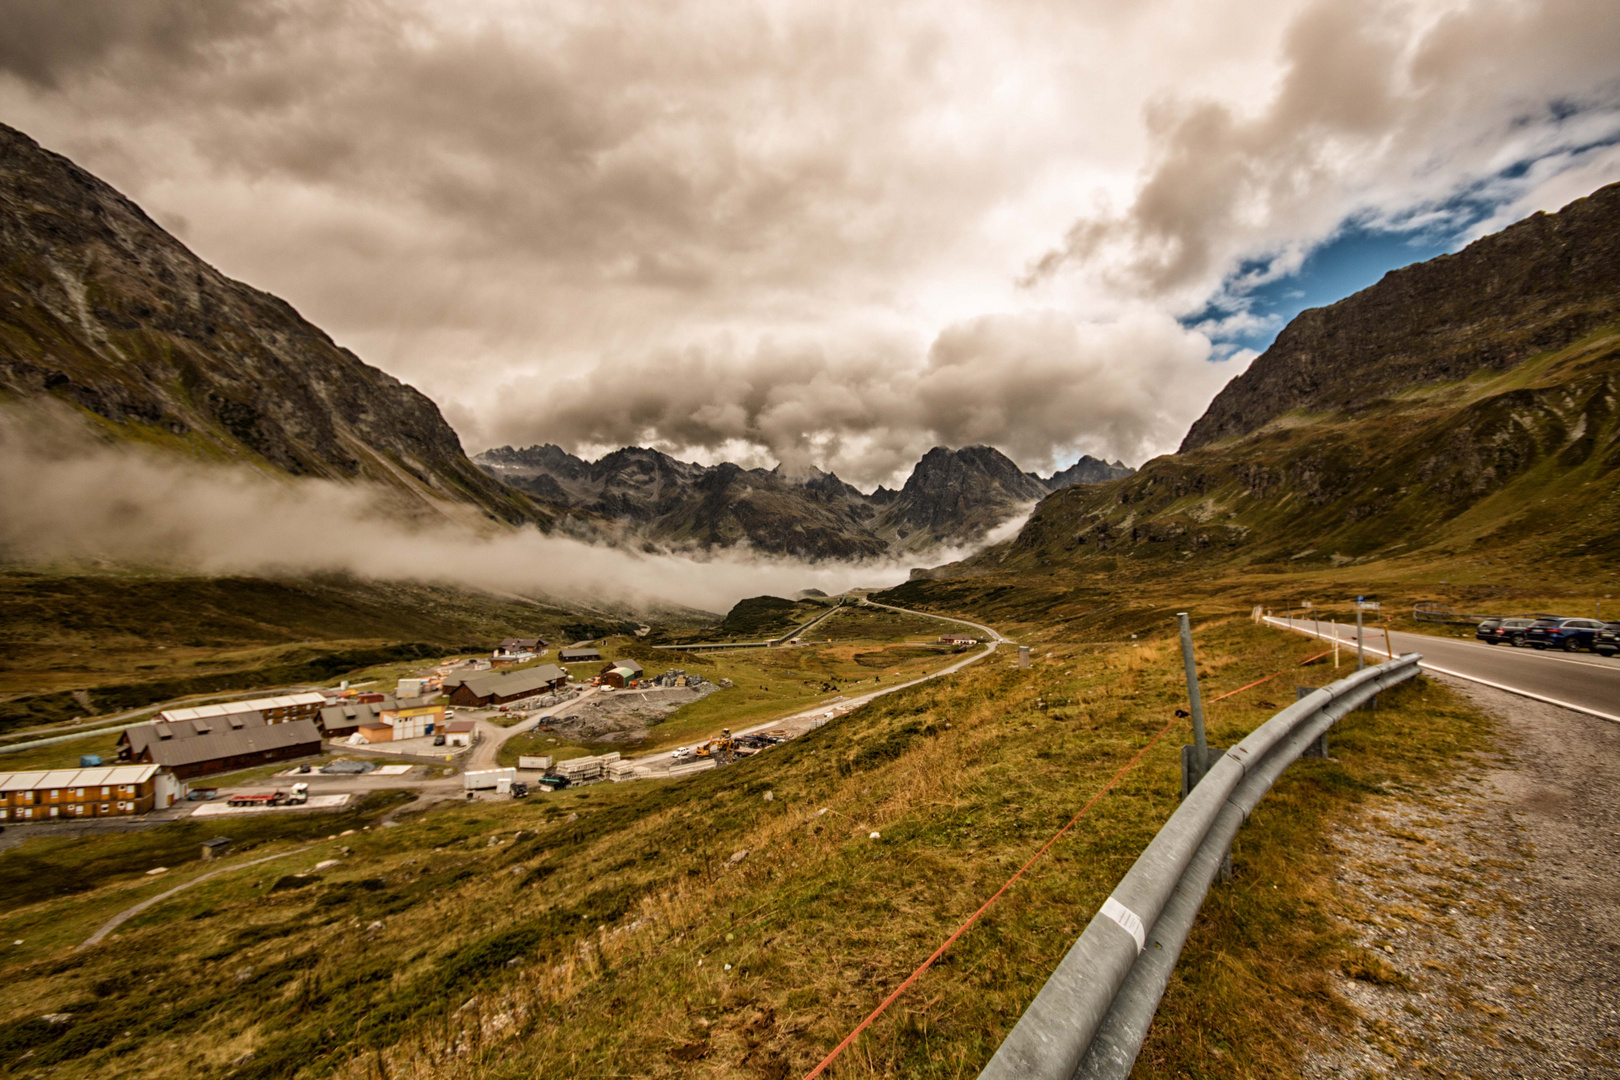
(103, 310)
(1383, 446)
(1536, 286)
(952, 497)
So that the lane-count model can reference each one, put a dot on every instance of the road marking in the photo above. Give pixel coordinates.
(1373, 630)
(1525, 693)
(1487, 682)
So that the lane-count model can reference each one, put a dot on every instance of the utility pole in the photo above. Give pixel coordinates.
(1361, 651)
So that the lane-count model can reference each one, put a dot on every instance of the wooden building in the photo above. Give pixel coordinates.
(578, 655)
(108, 791)
(190, 748)
(499, 688)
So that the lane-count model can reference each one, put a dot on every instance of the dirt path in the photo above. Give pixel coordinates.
(130, 912)
(1492, 913)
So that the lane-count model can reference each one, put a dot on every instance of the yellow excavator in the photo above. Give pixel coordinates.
(722, 748)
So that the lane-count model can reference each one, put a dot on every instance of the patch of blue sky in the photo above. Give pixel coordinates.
(1260, 297)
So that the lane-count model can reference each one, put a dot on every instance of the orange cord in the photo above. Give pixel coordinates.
(960, 930)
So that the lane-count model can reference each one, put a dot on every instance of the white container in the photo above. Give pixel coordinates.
(485, 779)
(540, 764)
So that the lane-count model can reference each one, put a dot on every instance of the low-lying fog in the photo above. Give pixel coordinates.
(71, 501)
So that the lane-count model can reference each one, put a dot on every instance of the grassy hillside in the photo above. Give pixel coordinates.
(615, 929)
(86, 644)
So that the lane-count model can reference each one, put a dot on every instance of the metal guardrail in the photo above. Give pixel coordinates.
(1091, 1017)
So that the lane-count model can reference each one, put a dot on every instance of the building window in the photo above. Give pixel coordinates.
(105, 791)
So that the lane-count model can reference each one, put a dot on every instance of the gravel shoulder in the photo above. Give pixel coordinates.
(1487, 913)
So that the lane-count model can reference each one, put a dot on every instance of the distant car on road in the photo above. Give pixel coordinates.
(1571, 635)
(681, 752)
(1498, 631)
(1607, 641)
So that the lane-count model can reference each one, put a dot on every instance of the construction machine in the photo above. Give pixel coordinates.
(722, 748)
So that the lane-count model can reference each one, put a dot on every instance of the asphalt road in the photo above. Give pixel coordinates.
(1584, 682)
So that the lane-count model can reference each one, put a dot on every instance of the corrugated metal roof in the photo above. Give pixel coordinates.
(511, 682)
(225, 708)
(72, 778)
(222, 743)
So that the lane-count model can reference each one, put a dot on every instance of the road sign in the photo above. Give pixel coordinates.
(1366, 605)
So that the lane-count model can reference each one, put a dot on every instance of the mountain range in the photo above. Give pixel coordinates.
(952, 497)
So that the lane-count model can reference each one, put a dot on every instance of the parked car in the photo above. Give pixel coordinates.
(681, 752)
(520, 790)
(202, 794)
(1499, 631)
(1607, 641)
(1571, 635)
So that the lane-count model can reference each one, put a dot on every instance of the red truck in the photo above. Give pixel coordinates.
(296, 797)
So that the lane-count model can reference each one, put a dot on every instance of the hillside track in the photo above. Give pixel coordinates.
(1582, 682)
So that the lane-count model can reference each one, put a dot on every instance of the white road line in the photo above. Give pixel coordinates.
(1472, 678)
(1372, 631)
(1525, 693)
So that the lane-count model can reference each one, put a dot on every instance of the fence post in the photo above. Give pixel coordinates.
(1195, 705)
(1361, 653)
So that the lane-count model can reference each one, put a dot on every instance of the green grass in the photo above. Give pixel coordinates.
(620, 890)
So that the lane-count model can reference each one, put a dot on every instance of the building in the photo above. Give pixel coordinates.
(513, 645)
(958, 639)
(459, 732)
(500, 687)
(190, 748)
(630, 665)
(347, 717)
(413, 719)
(109, 791)
(273, 710)
(578, 656)
(619, 677)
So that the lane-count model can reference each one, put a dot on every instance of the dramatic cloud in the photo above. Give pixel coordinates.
(1385, 113)
(796, 231)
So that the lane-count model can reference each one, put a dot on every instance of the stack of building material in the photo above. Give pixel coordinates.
(620, 770)
(579, 769)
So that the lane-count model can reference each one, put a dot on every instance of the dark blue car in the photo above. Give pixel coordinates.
(1571, 635)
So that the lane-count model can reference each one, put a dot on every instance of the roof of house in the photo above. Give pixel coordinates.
(346, 713)
(45, 779)
(507, 683)
(623, 672)
(578, 654)
(256, 705)
(631, 664)
(461, 725)
(190, 749)
(511, 643)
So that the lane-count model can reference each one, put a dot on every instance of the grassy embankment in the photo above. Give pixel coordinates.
(854, 651)
(589, 933)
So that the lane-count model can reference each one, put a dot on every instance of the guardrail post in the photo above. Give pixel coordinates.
(1194, 758)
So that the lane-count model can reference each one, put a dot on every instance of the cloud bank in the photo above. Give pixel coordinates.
(75, 503)
(807, 231)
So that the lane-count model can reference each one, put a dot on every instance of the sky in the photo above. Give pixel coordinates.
(819, 232)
